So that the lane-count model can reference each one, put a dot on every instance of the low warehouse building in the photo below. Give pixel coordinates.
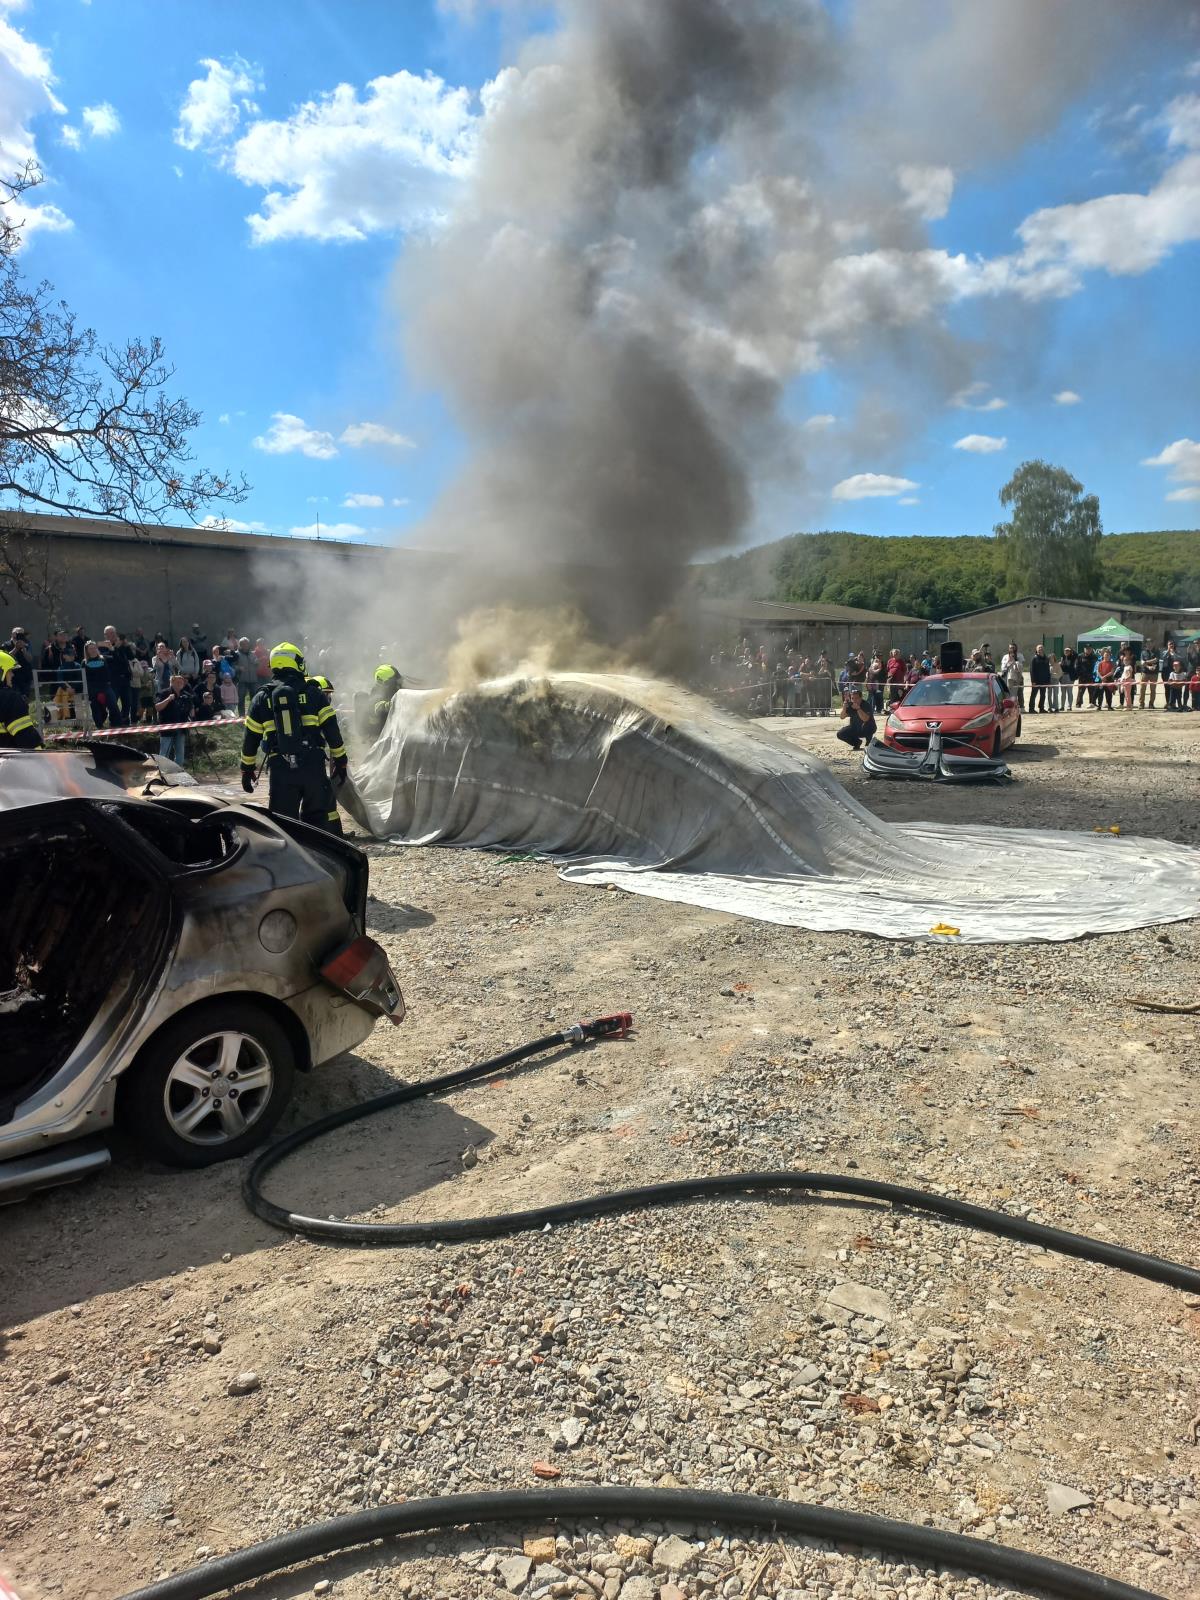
(811, 628)
(1038, 619)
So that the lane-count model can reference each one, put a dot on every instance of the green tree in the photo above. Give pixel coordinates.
(1051, 544)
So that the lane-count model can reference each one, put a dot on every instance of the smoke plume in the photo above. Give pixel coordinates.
(678, 208)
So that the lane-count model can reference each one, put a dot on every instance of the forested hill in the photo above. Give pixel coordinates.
(935, 578)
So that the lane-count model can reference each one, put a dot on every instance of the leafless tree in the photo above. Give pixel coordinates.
(86, 429)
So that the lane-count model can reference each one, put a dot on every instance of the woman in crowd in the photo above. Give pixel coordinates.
(207, 694)
(1106, 671)
(187, 661)
(98, 681)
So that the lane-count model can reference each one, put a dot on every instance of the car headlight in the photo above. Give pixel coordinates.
(897, 724)
(981, 721)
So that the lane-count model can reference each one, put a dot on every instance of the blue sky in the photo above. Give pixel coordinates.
(164, 129)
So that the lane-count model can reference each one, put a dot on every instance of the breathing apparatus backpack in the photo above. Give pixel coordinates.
(288, 706)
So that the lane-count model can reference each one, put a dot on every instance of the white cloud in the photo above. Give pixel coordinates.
(818, 424)
(871, 486)
(1066, 397)
(213, 105)
(26, 92)
(102, 120)
(1182, 119)
(358, 500)
(1183, 458)
(363, 433)
(1190, 493)
(70, 136)
(980, 444)
(232, 525)
(224, 417)
(317, 499)
(330, 530)
(927, 190)
(403, 502)
(288, 434)
(908, 500)
(972, 398)
(344, 166)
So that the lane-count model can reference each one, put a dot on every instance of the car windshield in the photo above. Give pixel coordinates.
(950, 692)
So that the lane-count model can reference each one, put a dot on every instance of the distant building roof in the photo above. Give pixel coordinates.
(1057, 600)
(761, 612)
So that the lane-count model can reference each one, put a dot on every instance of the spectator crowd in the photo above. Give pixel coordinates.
(773, 681)
(124, 679)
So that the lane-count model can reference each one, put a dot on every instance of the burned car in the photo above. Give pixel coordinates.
(169, 959)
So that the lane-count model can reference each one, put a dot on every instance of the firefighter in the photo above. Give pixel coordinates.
(17, 729)
(294, 722)
(387, 681)
(322, 683)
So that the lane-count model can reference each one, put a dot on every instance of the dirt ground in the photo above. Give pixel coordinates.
(848, 1354)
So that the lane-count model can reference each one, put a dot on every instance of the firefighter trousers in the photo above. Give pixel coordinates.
(304, 792)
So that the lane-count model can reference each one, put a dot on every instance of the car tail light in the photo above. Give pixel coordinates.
(360, 969)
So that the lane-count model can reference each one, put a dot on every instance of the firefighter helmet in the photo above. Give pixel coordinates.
(323, 683)
(287, 657)
(7, 665)
(385, 673)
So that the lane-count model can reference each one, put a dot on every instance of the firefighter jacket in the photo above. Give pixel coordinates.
(318, 722)
(17, 729)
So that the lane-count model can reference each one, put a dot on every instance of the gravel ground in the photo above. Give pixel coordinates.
(179, 1380)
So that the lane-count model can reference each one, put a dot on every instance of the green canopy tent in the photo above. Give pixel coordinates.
(1110, 633)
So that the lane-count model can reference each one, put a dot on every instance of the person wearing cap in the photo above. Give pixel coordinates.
(295, 725)
(18, 648)
(17, 729)
(386, 682)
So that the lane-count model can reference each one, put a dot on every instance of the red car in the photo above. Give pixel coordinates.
(976, 713)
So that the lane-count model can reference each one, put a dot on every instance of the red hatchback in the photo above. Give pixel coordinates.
(976, 713)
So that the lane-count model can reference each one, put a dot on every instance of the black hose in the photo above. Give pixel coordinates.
(1158, 1270)
(928, 1545)
(907, 1541)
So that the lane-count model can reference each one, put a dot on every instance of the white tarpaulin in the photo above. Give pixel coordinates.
(640, 784)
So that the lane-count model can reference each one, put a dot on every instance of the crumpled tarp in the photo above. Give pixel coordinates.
(638, 783)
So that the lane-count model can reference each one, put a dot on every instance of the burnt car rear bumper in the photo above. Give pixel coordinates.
(934, 764)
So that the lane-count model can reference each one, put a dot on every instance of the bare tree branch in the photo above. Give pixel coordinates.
(86, 429)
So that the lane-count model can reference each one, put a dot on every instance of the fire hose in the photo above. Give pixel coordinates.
(907, 1541)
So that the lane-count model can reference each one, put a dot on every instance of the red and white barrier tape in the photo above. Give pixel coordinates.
(143, 728)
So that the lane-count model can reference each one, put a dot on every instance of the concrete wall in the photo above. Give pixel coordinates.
(1033, 622)
(178, 577)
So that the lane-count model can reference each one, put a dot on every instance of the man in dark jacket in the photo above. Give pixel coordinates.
(1039, 678)
(860, 726)
(295, 724)
(18, 648)
(1085, 677)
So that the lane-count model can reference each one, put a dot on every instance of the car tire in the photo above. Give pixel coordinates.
(167, 1103)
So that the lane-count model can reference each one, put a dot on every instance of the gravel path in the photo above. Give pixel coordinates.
(178, 1380)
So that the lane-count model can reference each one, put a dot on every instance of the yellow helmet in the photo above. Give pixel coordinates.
(285, 656)
(323, 684)
(6, 664)
(385, 674)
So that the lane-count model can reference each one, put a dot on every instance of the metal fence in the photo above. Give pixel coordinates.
(60, 701)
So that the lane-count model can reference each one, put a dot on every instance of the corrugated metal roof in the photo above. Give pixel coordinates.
(1057, 600)
(762, 611)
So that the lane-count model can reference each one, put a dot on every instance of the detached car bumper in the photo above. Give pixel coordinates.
(935, 764)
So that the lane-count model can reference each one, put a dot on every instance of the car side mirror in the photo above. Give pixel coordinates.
(1008, 703)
